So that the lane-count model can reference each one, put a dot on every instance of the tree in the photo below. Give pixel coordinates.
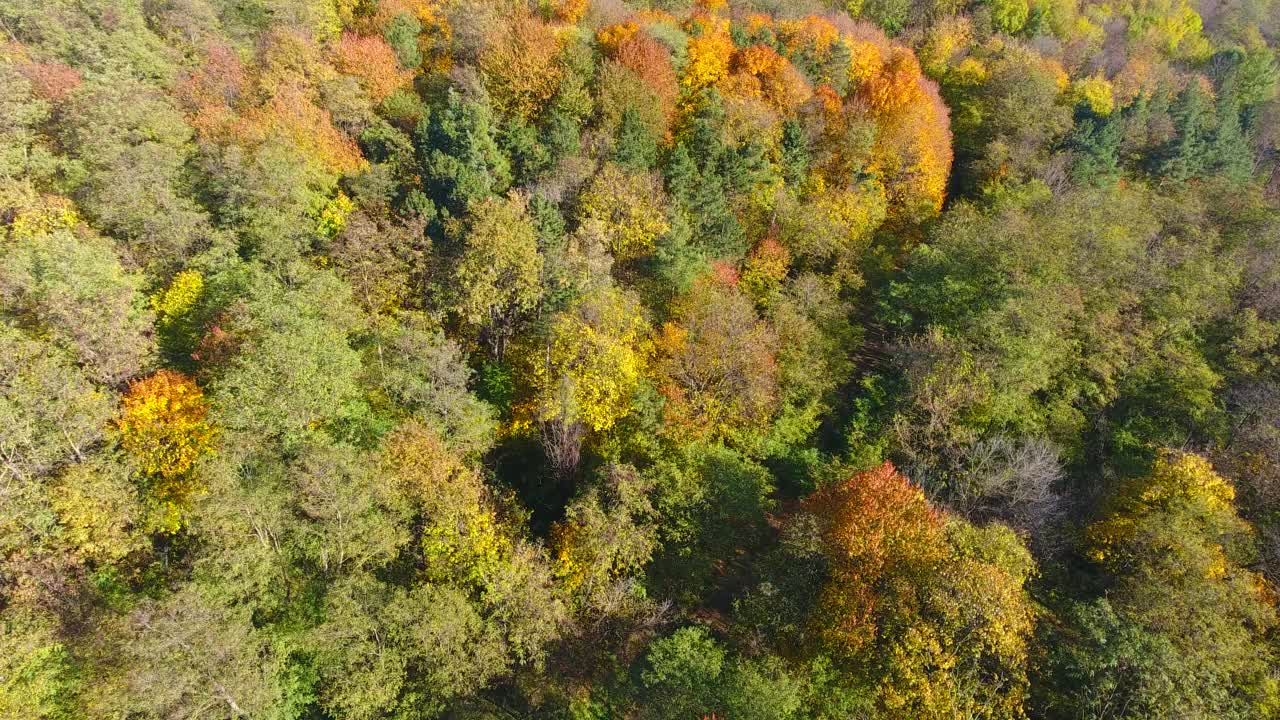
(520, 67)
(50, 413)
(74, 291)
(1187, 155)
(931, 613)
(38, 673)
(708, 54)
(425, 374)
(294, 372)
(627, 209)
(635, 145)
(497, 278)
(373, 63)
(1171, 546)
(689, 674)
(187, 651)
(583, 376)
(384, 259)
(606, 539)
(466, 543)
(716, 363)
(459, 153)
(163, 426)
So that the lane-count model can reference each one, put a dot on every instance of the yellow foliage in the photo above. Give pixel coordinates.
(470, 550)
(1182, 480)
(1096, 93)
(708, 55)
(942, 42)
(97, 510)
(865, 61)
(611, 37)
(626, 209)
(50, 215)
(521, 68)
(163, 426)
(462, 537)
(592, 364)
(970, 72)
(571, 557)
(333, 217)
(765, 269)
(180, 297)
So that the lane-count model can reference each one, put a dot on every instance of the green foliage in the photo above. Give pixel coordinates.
(402, 35)
(74, 292)
(458, 150)
(689, 674)
(296, 371)
(40, 680)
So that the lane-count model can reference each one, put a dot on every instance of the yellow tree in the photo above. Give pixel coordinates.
(164, 427)
(626, 210)
(583, 375)
(1175, 552)
(520, 67)
(709, 52)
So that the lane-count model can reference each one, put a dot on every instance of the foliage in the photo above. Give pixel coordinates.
(413, 359)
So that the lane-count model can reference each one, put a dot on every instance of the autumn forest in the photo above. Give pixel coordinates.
(639, 359)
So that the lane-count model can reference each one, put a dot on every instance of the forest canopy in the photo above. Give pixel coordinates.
(639, 359)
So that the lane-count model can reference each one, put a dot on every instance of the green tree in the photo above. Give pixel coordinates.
(458, 150)
(497, 278)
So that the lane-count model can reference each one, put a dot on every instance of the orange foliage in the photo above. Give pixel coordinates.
(772, 78)
(276, 97)
(291, 114)
(569, 11)
(611, 37)
(877, 528)
(765, 268)
(372, 62)
(895, 85)
(51, 81)
(723, 274)
(163, 424)
(212, 88)
(716, 362)
(650, 61)
(913, 154)
(811, 34)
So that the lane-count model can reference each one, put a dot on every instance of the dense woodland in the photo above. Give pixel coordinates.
(582, 359)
